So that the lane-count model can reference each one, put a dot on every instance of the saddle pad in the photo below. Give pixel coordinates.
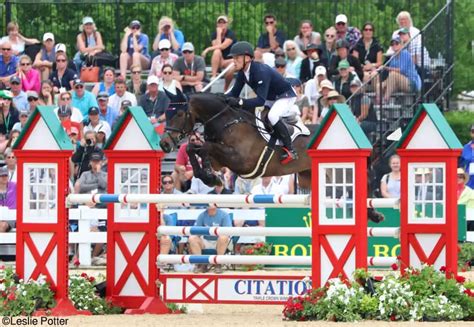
(298, 129)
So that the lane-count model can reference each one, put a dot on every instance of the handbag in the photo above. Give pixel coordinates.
(105, 59)
(90, 72)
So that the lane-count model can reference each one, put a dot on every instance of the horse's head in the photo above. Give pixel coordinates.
(179, 122)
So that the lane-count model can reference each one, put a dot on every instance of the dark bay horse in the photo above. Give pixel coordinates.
(232, 139)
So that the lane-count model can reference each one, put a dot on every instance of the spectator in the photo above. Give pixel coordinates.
(10, 163)
(107, 85)
(106, 113)
(325, 87)
(168, 83)
(165, 240)
(94, 123)
(7, 198)
(362, 107)
(30, 77)
(219, 188)
(183, 171)
(302, 101)
(342, 48)
(46, 96)
(16, 40)
(280, 66)
(245, 186)
(404, 21)
(464, 192)
(62, 77)
(20, 100)
(154, 102)
(313, 59)
(402, 75)
(134, 47)
(60, 48)
(8, 63)
(45, 58)
(81, 157)
(343, 81)
(212, 217)
(294, 57)
(121, 94)
(390, 183)
(74, 114)
(307, 36)
(88, 42)
(190, 70)
(167, 183)
(344, 32)
(467, 159)
(23, 118)
(32, 98)
(167, 31)
(287, 183)
(329, 44)
(271, 40)
(64, 113)
(332, 97)
(368, 51)
(414, 49)
(267, 186)
(81, 98)
(166, 57)
(311, 89)
(221, 41)
(123, 107)
(136, 85)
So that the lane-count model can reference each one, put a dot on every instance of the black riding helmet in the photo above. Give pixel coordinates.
(241, 48)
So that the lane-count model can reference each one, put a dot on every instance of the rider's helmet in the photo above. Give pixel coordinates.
(241, 48)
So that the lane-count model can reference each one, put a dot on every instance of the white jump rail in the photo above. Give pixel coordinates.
(234, 259)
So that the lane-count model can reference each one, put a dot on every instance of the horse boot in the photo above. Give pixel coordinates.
(289, 154)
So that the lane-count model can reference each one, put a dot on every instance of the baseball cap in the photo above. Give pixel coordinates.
(325, 84)
(343, 64)
(280, 62)
(32, 94)
(93, 110)
(73, 130)
(134, 23)
(395, 39)
(15, 79)
(341, 19)
(64, 110)
(24, 112)
(102, 95)
(320, 70)
(356, 82)
(164, 44)
(153, 79)
(60, 47)
(126, 103)
(78, 81)
(48, 36)
(222, 17)
(5, 94)
(96, 156)
(188, 46)
(403, 31)
(342, 44)
(4, 171)
(87, 20)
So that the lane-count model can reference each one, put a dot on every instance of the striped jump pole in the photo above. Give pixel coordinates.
(234, 259)
(381, 261)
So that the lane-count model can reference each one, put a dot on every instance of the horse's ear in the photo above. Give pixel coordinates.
(180, 96)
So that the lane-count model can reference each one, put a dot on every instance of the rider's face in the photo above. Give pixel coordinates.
(240, 61)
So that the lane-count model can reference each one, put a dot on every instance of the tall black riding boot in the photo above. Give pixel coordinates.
(289, 153)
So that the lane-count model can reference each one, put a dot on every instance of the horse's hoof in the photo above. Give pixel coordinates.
(376, 217)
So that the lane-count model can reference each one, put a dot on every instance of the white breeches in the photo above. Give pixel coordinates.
(279, 108)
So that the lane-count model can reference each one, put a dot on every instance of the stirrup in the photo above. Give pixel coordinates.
(288, 156)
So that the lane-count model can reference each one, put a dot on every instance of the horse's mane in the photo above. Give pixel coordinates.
(220, 100)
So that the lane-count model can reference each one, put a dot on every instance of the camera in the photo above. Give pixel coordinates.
(166, 27)
(88, 142)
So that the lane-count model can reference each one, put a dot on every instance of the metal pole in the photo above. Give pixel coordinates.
(8, 14)
(231, 66)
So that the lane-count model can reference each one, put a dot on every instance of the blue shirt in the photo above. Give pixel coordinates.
(21, 101)
(467, 156)
(264, 41)
(10, 68)
(111, 90)
(407, 68)
(143, 41)
(83, 104)
(179, 36)
(221, 218)
(109, 116)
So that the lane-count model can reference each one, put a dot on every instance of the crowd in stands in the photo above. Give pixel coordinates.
(329, 66)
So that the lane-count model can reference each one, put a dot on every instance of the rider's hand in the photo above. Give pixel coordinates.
(234, 102)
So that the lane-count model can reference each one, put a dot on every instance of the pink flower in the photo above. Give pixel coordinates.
(442, 269)
(84, 275)
(76, 262)
(11, 296)
(394, 266)
(91, 279)
(460, 279)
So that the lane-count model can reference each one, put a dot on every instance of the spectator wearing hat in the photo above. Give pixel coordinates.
(134, 47)
(16, 40)
(74, 114)
(107, 84)
(30, 77)
(8, 113)
(166, 57)
(65, 113)
(280, 66)
(167, 30)
(271, 40)
(313, 59)
(415, 49)
(402, 74)
(306, 35)
(311, 89)
(8, 63)
(94, 123)
(81, 98)
(404, 20)
(190, 70)
(466, 161)
(62, 76)
(33, 98)
(120, 95)
(222, 40)
(7, 198)
(294, 57)
(23, 118)
(369, 51)
(345, 32)
(45, 58)
(329, 44)
(154, 102)
(106, 113)
(342, 82)
(20, 100)
(342, 49)
(362, 107)
(302, 102)
(88, 42)
(332, 98)
(61, 48)
(321, 108)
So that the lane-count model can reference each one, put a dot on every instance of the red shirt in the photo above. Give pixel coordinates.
(182, 157)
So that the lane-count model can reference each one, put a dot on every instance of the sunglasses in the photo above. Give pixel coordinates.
(60, 60)
(32, 99)
(222, 22)
(136, 72)
(290, 49)
(167, 72)
(280, 55)
(270, 22)
(15, 83)
(79, 86)
(25, 64)
(340, 23)
(66, 99)
(280, 66)
(461, 176)
(6, 49)
(330, 36)
(165, 49)
(10, 157)
(167, 182)
(368, 29)
(135, 27)
(187, 51)
(192, 140)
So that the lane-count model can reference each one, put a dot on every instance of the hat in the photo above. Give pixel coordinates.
(341, 19)
(188, 46)
(333, 95)
(404, 31)
(279, 52)
(127, 103)
(320, 70)
(48, 36)
(280, 62)
(327, 84)
(102, 95)
(93, 110)
(87, 20)
(4, 171)
(24, 112)
(64, 110)
(60, 47)
(395, 39)
(311, 46)
(5, 94)
(342, 43)
(15, 79)
(356, 82)
(293, 81)
(164, 44)
(73, 130)
(152, 79)
(96, 156)
(222, 17)
(32, 94)
(78, 81)
(134, 23)
(343, 64)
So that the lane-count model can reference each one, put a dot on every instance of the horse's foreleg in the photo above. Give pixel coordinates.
(204, 171)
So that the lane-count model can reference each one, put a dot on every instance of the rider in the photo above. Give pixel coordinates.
(271, 88)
